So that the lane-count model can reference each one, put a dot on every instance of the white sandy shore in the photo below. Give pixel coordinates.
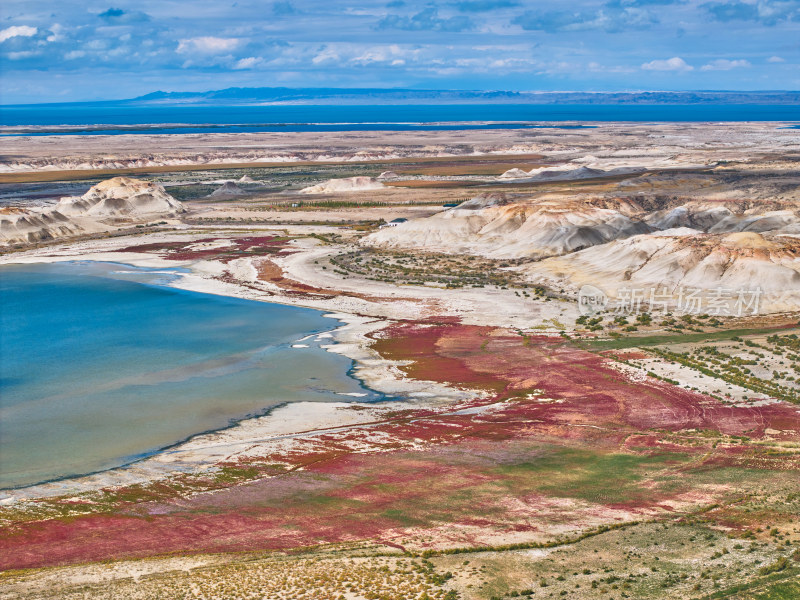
(287, 424)
(479, 306)
(276, 431)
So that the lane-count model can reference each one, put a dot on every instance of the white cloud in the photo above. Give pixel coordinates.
(383, 54)
(375, 55)
(508, 64)
(118, 51)
(504, 48)
(56, 34)
(326, 55)
(17, 31)
(365, 55)
(207, 45)
(723, 64)
(595, 67)
(672, 64)
(247, 63)
(776, 59)
(72, 55)
(21, 55)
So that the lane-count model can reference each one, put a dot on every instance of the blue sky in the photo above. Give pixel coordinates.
(65, 51)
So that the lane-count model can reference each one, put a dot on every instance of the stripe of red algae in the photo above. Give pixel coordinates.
(246, 246)
(96, 538)
(587, 387)
(335, 503)
(418, 342)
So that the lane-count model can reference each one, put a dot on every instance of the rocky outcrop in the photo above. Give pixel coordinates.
(108, 205)
(497, 226)
(348, 184)
(684, 259)
(565, 173)
(121, 197)
(227, 190)
(727, 217)
(566, 241)
(18, 226)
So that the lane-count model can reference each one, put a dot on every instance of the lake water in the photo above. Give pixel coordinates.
(210, 119)
(101, 364)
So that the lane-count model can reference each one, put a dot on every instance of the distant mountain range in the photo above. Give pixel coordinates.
(280, 95)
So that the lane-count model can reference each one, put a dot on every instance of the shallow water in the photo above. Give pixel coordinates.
(101, 364)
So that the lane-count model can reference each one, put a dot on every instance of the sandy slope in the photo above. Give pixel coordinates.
(498, 226)
(345, 185)
(106, 206)
(683, 258)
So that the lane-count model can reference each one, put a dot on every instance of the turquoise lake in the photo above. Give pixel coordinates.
(101, 364)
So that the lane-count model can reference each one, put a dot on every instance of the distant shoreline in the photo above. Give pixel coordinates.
(200, 117)
(398, 96)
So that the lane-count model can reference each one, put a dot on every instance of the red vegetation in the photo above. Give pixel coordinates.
(591, 391)
(246, 246)
(434, 468)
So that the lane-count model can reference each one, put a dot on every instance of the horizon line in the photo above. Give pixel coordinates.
(420, 90)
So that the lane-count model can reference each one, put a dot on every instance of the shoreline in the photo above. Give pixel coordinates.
(202, 451)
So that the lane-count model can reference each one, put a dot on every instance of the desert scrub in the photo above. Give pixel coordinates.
(442, 269)
(710, 361)
(314, 577)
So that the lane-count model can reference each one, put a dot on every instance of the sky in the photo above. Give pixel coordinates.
(109, 49)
